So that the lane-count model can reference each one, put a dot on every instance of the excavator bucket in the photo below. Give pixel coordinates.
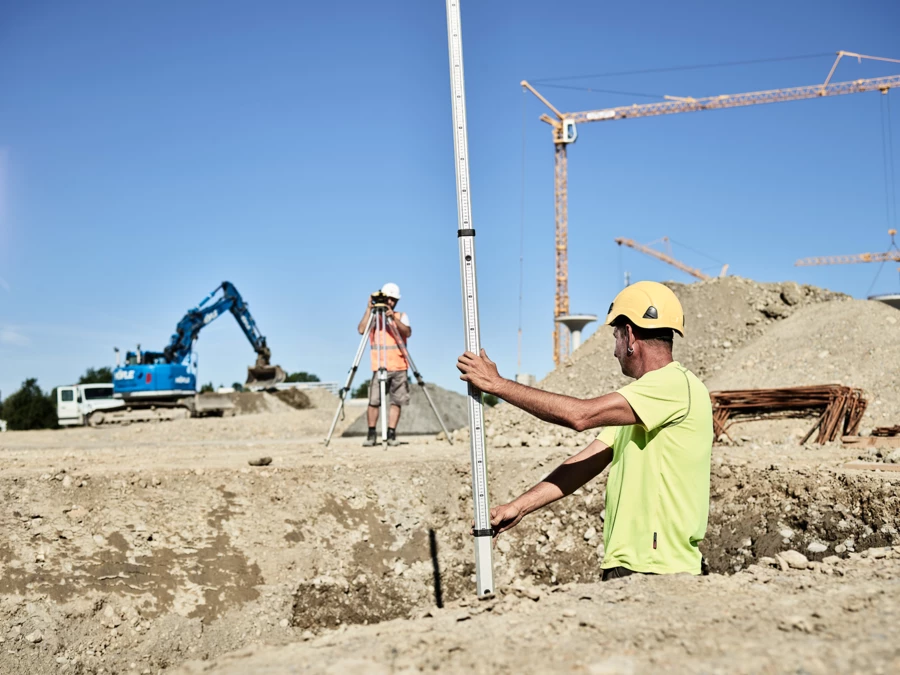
(265, 376)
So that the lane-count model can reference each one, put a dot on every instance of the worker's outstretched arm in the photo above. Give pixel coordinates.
(568, 411)
(565, 479)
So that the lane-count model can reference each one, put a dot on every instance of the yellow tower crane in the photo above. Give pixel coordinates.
(666, 258)
(891, 254)
(564, 133)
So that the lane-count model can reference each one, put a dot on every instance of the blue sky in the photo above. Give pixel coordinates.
(303, 151)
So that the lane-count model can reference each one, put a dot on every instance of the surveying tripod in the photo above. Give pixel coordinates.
(382, 323)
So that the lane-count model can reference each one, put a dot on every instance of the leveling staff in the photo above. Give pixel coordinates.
(657, 441)
(395, 362)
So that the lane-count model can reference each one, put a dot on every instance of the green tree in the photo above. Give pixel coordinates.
(302, 376)
(490, 400)
(237, 386)
(29, 408)
(97, 376)
(207, 388)
(362, 391)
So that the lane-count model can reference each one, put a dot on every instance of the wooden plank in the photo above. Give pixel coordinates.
(871, 441)
(872, 466)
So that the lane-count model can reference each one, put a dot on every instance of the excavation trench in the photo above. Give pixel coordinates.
(162, 567)
(754, 513)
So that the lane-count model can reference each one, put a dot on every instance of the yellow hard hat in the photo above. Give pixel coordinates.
(648, 304)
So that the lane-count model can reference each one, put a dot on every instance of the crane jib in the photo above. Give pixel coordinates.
(466, 236)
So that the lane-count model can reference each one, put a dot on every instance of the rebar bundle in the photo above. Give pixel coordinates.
(886, 431)
(840, 409)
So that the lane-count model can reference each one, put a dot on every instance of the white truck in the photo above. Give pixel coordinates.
(95, 404)
(76, 404)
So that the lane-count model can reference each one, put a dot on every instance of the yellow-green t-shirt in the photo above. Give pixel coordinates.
(657, 494)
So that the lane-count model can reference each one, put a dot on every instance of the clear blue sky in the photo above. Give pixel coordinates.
(303, 151)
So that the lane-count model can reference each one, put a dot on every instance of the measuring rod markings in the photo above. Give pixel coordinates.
(483, 567)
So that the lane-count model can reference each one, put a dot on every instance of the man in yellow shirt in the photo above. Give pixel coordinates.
(657, 440)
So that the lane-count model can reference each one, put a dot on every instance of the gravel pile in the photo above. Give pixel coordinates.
(418, 417)
(294, 397)
(721, 316)
(852, 343)
(258, 403)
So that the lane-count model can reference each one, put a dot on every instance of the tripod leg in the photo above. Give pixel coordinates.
(418, 377)
(380, 326)
(382, 384)
(343, 393)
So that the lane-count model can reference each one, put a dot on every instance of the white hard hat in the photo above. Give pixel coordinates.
(391, 290)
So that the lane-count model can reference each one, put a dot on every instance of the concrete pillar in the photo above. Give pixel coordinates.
(576, 323)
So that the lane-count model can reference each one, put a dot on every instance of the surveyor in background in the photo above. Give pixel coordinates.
(657, 441)
(397, 365)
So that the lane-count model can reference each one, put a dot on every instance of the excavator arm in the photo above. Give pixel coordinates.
(211, 308)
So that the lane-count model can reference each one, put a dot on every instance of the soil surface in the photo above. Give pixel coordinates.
(240, 544)
(146, 548)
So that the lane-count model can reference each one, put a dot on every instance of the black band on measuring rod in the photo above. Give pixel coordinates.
(483, 533)
(465, 233)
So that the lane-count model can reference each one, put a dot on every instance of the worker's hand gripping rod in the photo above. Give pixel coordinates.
(484, 577)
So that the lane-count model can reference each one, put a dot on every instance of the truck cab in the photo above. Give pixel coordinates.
(75, 403)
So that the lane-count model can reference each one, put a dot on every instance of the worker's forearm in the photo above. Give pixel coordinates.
(364, 321)
(555, 408)
(567, 477)
(575, 413)
(538, 497)
(404, 330)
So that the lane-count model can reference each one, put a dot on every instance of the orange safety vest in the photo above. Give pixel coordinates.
(393, 356)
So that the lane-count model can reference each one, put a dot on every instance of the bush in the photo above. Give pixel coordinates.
(29, 408)
(237, 386)
(207, 388)
(97, 376)
(490, 400)
(302, 376)
(362, 391)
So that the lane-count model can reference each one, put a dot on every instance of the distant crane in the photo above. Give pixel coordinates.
(891, 254)
(564, 132)
(668, 258)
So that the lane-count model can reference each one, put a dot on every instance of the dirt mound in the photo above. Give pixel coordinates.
(852, 343)
(294, 398)
(721, 315)
(321, 398)
(258, 403)
(418, 417)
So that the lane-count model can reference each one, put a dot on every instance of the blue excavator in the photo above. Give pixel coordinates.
(163, 385)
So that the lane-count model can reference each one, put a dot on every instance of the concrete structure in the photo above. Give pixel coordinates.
(576, 323)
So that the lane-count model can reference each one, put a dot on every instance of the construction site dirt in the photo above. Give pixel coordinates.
(159, 548)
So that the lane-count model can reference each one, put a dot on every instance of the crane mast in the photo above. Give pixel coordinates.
(563, 127)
